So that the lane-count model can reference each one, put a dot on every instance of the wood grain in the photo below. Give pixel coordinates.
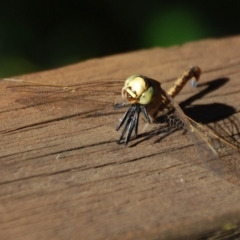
(64, 177)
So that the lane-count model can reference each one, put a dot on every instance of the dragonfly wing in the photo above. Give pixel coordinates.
(89, 106)
(226, 136)
(216, 152)
(207, 146)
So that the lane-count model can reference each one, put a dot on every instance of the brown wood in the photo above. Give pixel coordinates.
(64, 177)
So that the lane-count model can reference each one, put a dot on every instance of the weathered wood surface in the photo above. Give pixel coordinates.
(64, 177)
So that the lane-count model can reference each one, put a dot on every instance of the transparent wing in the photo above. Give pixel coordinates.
(216, 146)
(88, 108)
(86, 97)
(224, 157)
(223, 137)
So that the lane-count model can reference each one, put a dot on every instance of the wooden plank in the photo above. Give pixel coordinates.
(64, 177)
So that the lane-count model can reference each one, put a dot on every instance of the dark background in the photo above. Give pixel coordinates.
(38, 35)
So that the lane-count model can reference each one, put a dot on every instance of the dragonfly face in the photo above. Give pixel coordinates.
(138, 90)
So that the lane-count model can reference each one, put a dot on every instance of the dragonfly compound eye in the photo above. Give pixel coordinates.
(136, 90)
(147, 96)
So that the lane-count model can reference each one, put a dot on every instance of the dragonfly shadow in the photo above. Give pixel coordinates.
(211, 86)
(207, 113)
(218, 117)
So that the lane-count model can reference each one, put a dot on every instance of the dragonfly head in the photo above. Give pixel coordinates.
(137, 90)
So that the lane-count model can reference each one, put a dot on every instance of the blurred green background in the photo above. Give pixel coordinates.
(42, 35)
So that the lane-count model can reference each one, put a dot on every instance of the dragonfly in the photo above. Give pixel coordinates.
(144, 96)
